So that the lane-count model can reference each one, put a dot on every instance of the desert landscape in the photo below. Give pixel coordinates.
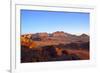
(48, 36)
(55, 46)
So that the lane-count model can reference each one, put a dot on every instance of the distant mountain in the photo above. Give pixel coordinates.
(59, 34)
(56, 38)
(84, 38)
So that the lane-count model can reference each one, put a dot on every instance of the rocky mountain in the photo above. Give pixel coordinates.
(56, 46)
(60, 35)
(56, 38)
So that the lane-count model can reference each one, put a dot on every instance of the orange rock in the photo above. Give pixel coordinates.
(27, 42)
(59, 51)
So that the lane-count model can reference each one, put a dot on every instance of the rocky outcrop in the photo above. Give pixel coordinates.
(58, 34)
(44, 34)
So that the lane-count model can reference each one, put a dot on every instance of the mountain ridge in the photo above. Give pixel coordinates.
(55, 38)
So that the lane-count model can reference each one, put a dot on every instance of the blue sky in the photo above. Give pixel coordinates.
(34, 21)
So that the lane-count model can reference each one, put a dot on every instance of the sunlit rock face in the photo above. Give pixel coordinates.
(44, 34)
(59, 33)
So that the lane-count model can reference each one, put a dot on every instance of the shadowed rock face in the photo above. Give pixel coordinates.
(54, 53)
(56, 46)
(48, 53)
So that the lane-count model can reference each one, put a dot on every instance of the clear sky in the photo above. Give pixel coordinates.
(34, 21)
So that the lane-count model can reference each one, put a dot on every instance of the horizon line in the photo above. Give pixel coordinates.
(87, 33)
